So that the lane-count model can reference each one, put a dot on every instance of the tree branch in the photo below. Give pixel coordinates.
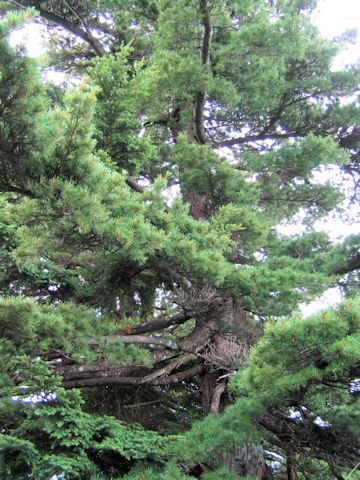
(140, 339)
(101, 369)
(352, 264)
(159, 324)
(6, 187)
(253, 138)
(97, 381)
(162, 372)
(134, 185)
(103, 373)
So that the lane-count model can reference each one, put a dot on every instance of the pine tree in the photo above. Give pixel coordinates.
(141, 264)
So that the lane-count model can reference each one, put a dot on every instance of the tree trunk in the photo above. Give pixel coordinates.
(290, 467)
(246, 461)
(211, 393)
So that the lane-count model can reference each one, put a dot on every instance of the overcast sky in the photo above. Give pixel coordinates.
(333, 17)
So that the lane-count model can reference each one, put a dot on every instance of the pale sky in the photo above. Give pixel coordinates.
(333, 17)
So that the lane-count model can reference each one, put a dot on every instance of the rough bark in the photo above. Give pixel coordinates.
(247, 461)
(139, 339)
(215, 399)
(208, 386)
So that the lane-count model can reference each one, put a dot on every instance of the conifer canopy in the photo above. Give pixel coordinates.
(149, 311)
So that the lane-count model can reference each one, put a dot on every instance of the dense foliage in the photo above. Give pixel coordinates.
(148, 311)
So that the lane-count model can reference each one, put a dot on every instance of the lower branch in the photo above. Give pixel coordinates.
(162, 372)
(131, 381)
(139, 339)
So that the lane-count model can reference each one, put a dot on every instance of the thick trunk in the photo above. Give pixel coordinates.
(211, 393)
(248, 461)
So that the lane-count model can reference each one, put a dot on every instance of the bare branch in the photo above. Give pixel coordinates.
(100, 369)
(255, 138)
(162, 372)
(129, 381)
(160, 324)
(140, 339)
(179, 377)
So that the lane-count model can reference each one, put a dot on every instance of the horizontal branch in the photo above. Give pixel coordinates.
(101, 369)
(7, 187)
(96, 381)
(254, 138)
(140, 339)
(104, 373)
(179, 377)
(352, 264)
(160, 324)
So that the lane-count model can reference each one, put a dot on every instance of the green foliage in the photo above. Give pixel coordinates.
(283, 345)
(80, 198)
(28, 329)
(55, 436)
(117, 128)
(170, 472)
(224, 474)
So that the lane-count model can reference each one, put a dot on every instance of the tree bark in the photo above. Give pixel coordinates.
(290, 467)
(248, 461)
(98, 381)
